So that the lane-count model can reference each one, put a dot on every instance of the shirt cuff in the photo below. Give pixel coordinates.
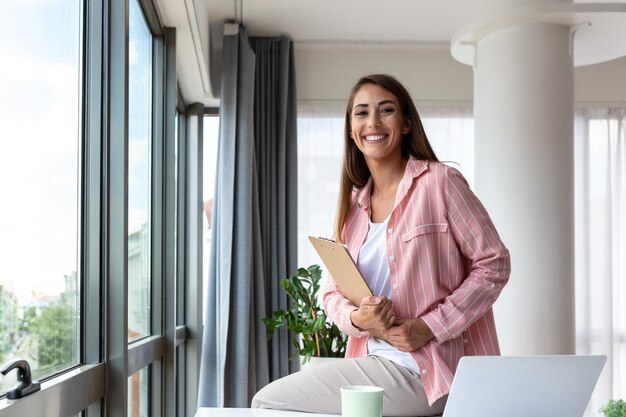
(353, 330)
(441, 333)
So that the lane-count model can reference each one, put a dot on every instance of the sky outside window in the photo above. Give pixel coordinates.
(40, 85)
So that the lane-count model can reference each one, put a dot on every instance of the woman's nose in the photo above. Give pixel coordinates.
(374, 119)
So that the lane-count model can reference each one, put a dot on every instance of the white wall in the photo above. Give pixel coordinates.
(430, 74)
(602, 83)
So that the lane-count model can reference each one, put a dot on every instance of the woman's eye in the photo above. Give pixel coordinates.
(360, 113)
(387, 110)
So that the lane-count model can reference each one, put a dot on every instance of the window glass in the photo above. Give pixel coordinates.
(139, 172)
(452, 139)
(40, 81)
(320, 149)
(600, 244)
(138, 388)
(181, 385)
(210, 139)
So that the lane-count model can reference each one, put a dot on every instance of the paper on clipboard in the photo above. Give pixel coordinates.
(341, 266)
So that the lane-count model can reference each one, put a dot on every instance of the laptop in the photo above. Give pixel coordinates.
(523, 386)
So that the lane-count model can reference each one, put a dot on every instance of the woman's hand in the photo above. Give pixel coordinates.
(374, 313)
(408, 335)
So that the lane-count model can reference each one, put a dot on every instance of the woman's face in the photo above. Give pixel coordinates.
(377, 123)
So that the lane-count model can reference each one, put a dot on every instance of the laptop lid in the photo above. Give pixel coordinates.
(523, 386)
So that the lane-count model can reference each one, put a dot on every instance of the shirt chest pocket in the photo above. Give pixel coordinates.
(424, 229)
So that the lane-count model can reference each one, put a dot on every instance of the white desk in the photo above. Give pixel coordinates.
(253, 412)
(258, 412)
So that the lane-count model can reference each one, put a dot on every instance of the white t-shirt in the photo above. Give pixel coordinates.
(372, 263)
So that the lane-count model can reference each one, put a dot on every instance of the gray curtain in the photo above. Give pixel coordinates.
(254, 223)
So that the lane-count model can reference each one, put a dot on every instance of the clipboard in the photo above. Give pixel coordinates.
(341, 266)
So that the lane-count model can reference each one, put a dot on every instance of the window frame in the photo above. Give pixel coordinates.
(99, 384)
(190, 247)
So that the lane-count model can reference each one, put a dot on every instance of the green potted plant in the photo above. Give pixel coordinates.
(313, 334)
(614, 408)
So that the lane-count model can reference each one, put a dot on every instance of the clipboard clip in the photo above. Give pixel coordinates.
(332, 241)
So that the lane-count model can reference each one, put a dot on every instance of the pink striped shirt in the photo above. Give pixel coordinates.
(447, 263)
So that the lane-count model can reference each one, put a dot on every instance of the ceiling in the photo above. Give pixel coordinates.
(349, 20)
(362, 20)
(315, 22)
(199, 27)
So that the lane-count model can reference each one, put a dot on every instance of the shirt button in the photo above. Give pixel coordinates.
(464, 340)
(390, 230)
(424, 371)
(392, 258)
(395, 286)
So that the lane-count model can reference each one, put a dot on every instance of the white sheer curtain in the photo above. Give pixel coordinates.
(600, 181)
(320, 147)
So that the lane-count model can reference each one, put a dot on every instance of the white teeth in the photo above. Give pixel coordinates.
(375, 137)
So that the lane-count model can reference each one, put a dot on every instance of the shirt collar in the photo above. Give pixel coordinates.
(414, 168)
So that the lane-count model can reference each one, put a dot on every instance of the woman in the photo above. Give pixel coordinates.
(427, 248)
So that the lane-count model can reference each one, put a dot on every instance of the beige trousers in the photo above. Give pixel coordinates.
(316, 389)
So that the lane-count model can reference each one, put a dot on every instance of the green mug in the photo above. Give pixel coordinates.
(361, 401)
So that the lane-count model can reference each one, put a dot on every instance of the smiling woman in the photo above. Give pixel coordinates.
(428, 250)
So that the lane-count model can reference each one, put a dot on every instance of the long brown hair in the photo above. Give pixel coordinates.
(355, 172)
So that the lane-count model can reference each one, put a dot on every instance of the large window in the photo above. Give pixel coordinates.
(600, 191)
(40, 149)
(97, 262)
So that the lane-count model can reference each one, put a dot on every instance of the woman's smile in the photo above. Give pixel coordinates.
(375, 137)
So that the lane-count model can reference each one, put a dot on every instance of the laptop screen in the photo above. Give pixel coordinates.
(523, 386)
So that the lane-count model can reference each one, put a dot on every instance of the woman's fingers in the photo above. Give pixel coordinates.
(390, 318)
(409, 334)
(371, 300)
(375, 313)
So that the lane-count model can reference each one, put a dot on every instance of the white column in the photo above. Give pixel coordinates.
(523, 109)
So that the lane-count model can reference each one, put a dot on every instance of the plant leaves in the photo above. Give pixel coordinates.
(305, 318)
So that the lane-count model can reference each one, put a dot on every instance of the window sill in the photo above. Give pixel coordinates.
(63, 396)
